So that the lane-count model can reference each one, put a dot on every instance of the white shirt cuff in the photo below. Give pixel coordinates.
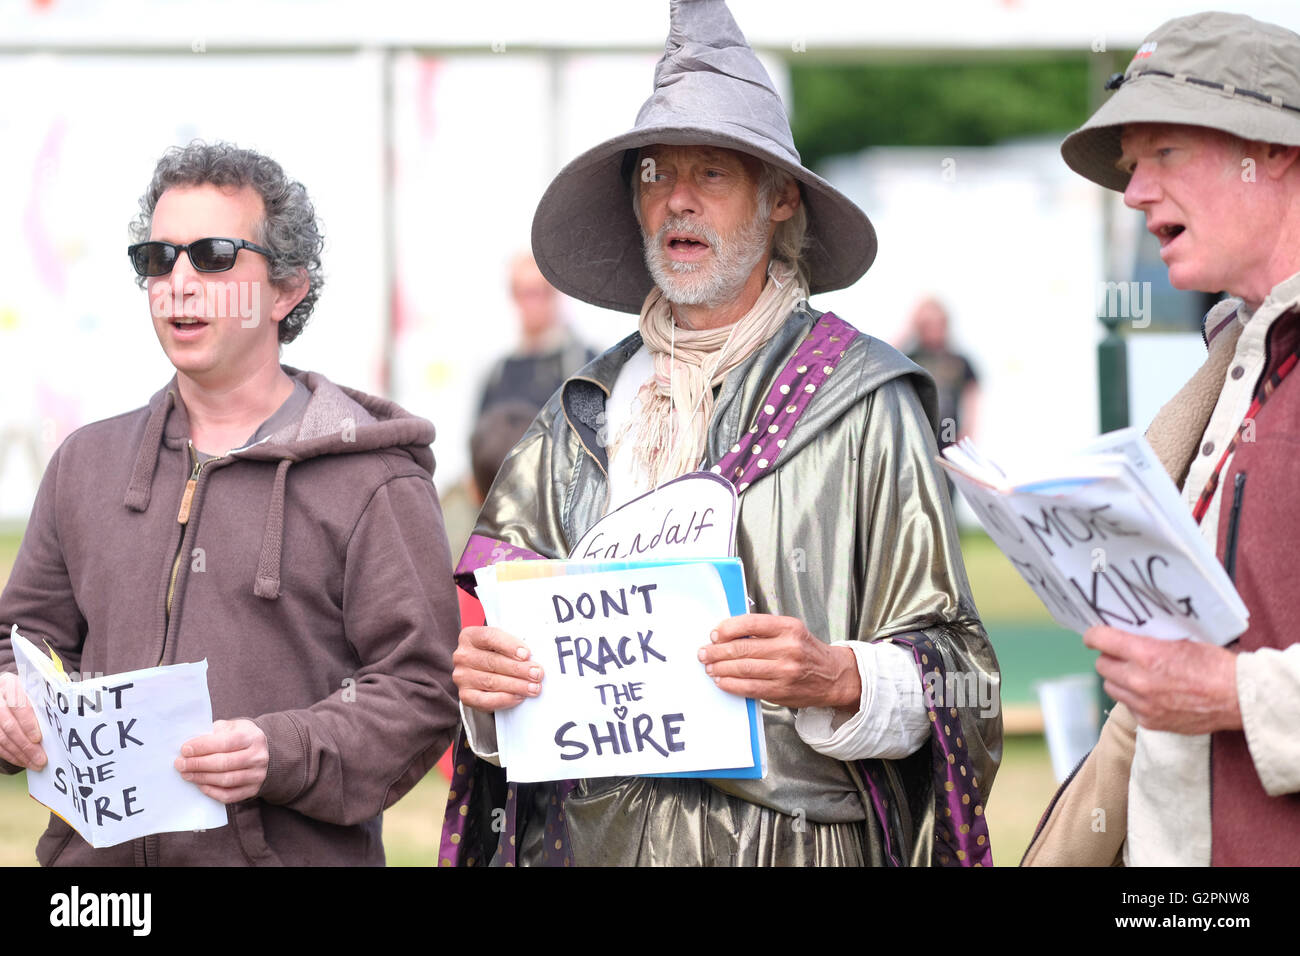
(481, 731)
(1268, 692)
(891, 721)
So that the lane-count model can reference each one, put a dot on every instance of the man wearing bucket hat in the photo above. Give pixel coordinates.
(1203, 136)
(704, 222)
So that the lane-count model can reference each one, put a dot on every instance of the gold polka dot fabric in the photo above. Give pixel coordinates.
(794, 390)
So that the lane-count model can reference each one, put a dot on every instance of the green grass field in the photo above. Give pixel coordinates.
(1029, 647)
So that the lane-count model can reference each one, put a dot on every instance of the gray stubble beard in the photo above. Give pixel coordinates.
(735, 257)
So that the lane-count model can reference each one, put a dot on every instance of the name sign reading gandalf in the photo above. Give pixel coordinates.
(693, 516)
(623, 691)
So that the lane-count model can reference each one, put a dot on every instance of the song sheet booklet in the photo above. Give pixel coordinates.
(1104, 537)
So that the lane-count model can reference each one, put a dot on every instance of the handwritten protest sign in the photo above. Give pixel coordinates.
(1118, 571)
(111, 742)
(624, 692)
(1104, 539)
(693, 516)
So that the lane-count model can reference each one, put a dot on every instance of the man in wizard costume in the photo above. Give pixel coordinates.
(864, 644)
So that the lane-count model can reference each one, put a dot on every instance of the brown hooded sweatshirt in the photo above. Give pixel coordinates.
(311, 570)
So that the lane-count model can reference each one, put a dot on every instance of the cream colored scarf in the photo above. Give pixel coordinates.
(670, 430)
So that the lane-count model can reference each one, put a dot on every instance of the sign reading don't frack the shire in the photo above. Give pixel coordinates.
(623, 692)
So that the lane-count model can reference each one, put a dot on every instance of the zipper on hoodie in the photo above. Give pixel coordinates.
(183, 519)
(1234, 519)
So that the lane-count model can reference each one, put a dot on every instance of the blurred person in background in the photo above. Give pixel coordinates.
(954, 377)
(498, 429)
(548, 351)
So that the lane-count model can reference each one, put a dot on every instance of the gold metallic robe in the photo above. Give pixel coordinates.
(852, 532)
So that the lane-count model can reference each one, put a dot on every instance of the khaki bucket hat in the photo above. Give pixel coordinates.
(1223, 71)
(710, 90)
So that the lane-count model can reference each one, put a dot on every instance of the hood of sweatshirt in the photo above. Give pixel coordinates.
(335, 421)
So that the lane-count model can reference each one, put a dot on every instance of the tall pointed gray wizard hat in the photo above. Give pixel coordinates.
(710, 90)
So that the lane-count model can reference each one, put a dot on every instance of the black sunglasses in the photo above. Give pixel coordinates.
(206, 255)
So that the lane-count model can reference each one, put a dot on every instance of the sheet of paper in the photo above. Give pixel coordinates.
(693, 516)
(624, 692)
(1121, 562)
(111, 742)
(1006, 527)
(1116, 560)
(1104, 538)
(1170, 506)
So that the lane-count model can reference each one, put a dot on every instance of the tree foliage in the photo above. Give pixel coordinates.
(845, 108)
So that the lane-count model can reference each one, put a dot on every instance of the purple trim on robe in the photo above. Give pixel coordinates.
(457, 820)
(876, 790)
(961, 832)
(756, 452)
(458, 805)
(556, 844)
(480, 551)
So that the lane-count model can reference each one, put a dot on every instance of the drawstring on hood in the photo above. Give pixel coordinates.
(146, 461)
(267, 583)
(336, 421)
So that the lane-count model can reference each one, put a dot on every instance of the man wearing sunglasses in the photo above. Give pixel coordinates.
(281, 527)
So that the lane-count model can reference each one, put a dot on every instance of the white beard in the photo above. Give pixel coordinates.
(706, 283)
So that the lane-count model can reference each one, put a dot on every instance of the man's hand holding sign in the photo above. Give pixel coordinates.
(781, 662)
(778, 660)
(20, 735)
(108, 742)
(228, 764)
(493, 670)
(754, 657)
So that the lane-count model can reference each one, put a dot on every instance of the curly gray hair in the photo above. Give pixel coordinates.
(289, 228)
